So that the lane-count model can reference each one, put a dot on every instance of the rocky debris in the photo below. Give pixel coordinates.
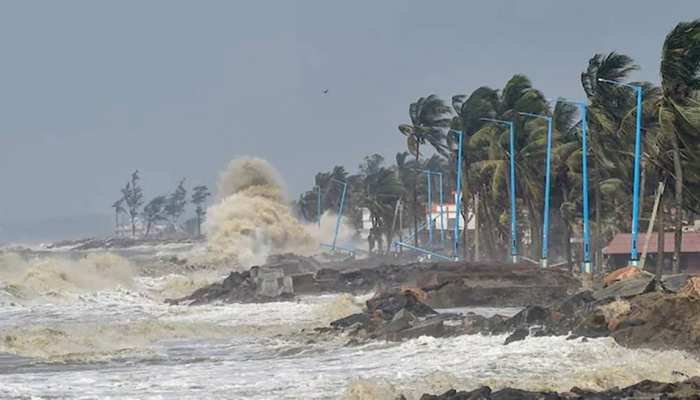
(621, 274)
(674, 283)
(636, 311)
(647, 389)
(630, 287)
(691, 288)
(395, 315)
(253, 286)
(116, 243)
(495, 285)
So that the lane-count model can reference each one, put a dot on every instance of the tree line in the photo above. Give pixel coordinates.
(162, 210)
(671, 127)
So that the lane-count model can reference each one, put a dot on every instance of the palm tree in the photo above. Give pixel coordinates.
(608, 106)
(118, 209)
(679, 111)
(429, 119)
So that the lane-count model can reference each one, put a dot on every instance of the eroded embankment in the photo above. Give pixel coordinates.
(448, 284)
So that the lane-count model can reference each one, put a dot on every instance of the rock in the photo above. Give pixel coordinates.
(646, 389)
(626, 288)
(517, 335)
(674, 283)
(430, 327)
(691, 288)
(350, 320)
(621, 275)
(389, 303)
(402, 320)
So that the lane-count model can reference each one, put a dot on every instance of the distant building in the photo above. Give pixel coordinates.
(617, 251)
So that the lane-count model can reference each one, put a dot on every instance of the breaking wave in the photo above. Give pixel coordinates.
(252, 218)
(27, 278)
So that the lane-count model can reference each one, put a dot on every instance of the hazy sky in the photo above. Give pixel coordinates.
(91, 90)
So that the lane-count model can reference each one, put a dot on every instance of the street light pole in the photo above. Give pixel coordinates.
(458, 195)
(547, 184)
(340, 211)
(513, 215)
(428, 177)
(587, 265)
(634, 251)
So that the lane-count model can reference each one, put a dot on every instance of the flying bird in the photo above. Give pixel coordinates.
(325, 91)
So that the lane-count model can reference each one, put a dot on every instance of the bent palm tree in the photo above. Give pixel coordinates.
(679, 111)
(429, 119)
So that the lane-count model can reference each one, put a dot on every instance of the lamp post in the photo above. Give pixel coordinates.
(458, 195)
(634, 252)
(547, 184)
(340, 210)
(587, 265)
(513, 214)
(430, 207)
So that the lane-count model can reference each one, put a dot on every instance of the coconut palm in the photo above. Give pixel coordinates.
(429, 119)
(679, 112)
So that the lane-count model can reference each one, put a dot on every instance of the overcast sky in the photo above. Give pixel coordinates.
(91, 90)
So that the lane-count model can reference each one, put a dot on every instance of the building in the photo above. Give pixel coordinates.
(617, 252)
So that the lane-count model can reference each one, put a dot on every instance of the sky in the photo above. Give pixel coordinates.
(92, 90)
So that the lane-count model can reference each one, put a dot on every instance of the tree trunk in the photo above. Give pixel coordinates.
(464, 210)
(477, 205)
(199, 224)
(597, 240)
(116, 222)
(415, 199)
(567, 229)
(133, 226)
(661, 240)
(678, 237)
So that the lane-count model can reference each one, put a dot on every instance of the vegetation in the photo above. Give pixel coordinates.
(671, 153)
(164, 211)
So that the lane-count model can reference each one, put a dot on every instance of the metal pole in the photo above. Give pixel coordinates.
(428, 175)
(634, 253)
(547, 184)
(458, 196)
(442, 212)
(587, 266)
(513, 214)
(650, 228)
(340, 213)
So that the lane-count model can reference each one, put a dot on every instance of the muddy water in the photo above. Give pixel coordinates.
(81, 340)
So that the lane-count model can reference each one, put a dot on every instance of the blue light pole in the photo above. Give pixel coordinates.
(430, 207)
(442, 211)
(340, 210)
(634, 252)
(513, 214)
(547, 184)
(587, 265)
(458, 196)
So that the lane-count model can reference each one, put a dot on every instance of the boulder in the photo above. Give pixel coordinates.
(430, 327)
(389, 303)
(674, 283)
(629, 287)
(620, 275)
(350, 320)
(692, 287)
(402, 320)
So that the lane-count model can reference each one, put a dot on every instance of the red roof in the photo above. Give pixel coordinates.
(621, 243)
